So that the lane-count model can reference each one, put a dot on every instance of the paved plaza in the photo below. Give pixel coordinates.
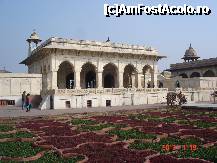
(11, 111)
(201, 106)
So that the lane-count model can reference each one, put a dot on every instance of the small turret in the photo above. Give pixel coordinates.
(33, 41)
(108, 40)
(190, 54)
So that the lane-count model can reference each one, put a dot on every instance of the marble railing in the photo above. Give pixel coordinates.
(106, 91)
(195, 89)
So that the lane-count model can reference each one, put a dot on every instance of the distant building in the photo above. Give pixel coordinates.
(4, 71)
(192, 67)
(192, 74)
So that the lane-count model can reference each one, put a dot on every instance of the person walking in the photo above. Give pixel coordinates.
(23, 100)
(28, 103)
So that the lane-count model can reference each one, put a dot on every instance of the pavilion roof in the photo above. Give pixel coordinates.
(95, 46)
(194, 64)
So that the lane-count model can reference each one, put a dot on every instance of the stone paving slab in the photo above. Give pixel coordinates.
(200, 106)
(11, 111)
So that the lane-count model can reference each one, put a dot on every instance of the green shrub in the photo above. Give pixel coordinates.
(213, 115)
(169, 120)
(142, 117)
(94, 128)
(203, 124)
(191, 140)
(100, 127)
(154, 120)
(201, 152)
(5, 128)
(54, 158)
(18, 149)
(139, 145)
(183, 122)
(17, 135)
(82, 121)
(131, 134)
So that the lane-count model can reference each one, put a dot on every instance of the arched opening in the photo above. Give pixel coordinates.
(70, 81)
(65, 76)
(160, 84)
(184, 75)
(110, 76)
(130, 77)
(195, 75)
(88, 76)
(209, 73)
(109, 81)
(148, 77)
(90, 79)
(177, 84)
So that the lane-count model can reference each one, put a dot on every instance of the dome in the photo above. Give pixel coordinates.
(34, 35)
(190, 54)
(34, 38)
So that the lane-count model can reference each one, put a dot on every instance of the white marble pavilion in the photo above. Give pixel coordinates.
(81, 73)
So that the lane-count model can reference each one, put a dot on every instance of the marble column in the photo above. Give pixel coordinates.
(155, 80)
(133, 80)
(54, 80)
(77, 79)
(120, 79)
(145, 80)
(154, 76)
(139, 80)
(44, 81)
(99, 79)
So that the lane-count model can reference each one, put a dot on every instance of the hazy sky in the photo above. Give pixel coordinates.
(84, 19)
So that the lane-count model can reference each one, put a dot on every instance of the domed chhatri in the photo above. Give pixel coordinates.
(33, 41)
(190, 55)
(34, 38)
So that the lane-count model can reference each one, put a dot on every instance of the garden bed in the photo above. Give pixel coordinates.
(156, 135)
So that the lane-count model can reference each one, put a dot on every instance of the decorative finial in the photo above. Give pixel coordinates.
(108, 40)
(34, 32)
(190, 45)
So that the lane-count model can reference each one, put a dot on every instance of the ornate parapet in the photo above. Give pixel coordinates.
(69, 46)
(77, 92)
(195, 89)
(47, 92)
(99, 46)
